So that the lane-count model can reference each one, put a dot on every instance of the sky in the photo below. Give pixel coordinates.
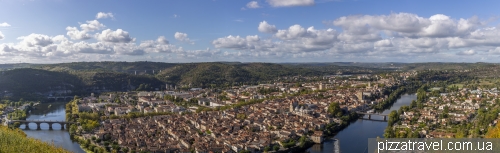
(183, 31)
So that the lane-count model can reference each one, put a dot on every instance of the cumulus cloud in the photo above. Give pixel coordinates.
(33, 40)
(94, 48)
(102, 15)
(92, 25)
(7, 48)
(289, 3)
(76, 34)
(267, 28)
(253, 5)
(162, 40)
(128, 49)
(182, 37)
(295, 39)
(4, 24)
(161, 45)
(293, 32)
(392, 35)
(467, 52)
(495, 51)
(408, 25)
(118, 36)
(1, 35)
(232, 42)
(383, 43)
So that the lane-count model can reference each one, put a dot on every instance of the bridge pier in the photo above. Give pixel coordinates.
(385, 118)
(50, 126)
(38, 126)
(27, 125)
(62, 125)
(369, 116)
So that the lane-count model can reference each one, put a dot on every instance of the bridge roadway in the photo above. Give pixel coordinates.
(56, 98)
(370, 115)
(38, 122)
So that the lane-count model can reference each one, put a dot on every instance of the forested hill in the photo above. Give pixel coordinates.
(36, 84)
(122, 67)
(205, 74)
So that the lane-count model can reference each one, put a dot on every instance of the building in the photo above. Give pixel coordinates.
(317, 137)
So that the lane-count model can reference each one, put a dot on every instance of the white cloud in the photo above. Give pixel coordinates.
(128, 49)
(295, 40)
(33, 40)
(1, 35)
(102, 15)
(182, 37)
(7, 48)
(231, 42)
(408, 25)
(161, 45)
(495, 51)
(118, 36)
(76, 34)
(162, 40)
(59, 39)
(176, 16)
(383, 43)
(267, 28)
(93, 48)
(293, 32)
(253, 5)
(92, 26)
(467, 52)
(4, 24)
(289, 3)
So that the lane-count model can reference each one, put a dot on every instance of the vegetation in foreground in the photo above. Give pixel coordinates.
(13, 141)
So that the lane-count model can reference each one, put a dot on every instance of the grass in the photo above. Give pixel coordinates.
(15, 141)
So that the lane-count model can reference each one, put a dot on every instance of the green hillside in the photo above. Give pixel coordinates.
(29, 83)
(36, 84)
(204, 74)
(15, 141)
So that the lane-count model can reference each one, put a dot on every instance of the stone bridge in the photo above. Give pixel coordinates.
(370, 115)
(57, 98)
(39, 122)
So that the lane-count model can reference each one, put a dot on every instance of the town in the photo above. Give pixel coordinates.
(265, 117)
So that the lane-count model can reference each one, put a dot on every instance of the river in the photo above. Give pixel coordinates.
(354, 138)
(58, 137)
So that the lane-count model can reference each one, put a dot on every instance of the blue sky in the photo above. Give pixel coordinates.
(53, 31)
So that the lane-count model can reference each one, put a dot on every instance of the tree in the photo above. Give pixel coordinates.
(267, 148)
(244, 151)
(276, 148)
(334, 109)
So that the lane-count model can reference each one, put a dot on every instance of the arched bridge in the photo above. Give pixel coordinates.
(370, 115)
(39, 122)
(57, 98)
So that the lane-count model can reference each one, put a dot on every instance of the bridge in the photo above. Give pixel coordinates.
(56, 98)
(39, 122)
(370, 115)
